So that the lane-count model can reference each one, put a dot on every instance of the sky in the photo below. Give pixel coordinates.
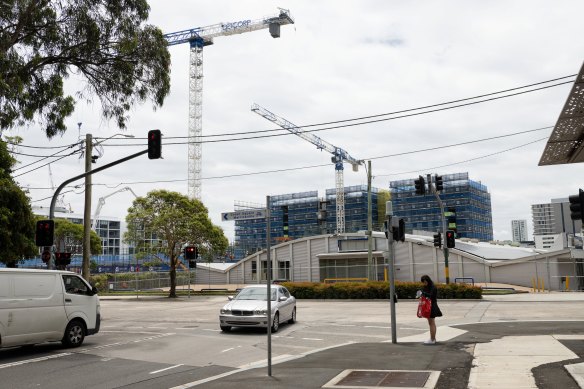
(342, 60)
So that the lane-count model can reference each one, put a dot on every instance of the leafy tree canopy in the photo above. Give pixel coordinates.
(122, 60)
(175, 220)
(16, 218)
(69, 238)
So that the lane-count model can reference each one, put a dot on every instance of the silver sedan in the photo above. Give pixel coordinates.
(249, 308)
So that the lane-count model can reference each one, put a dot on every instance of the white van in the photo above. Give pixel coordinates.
(46, 305)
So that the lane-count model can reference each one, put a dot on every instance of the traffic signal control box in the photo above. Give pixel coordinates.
(45, 230)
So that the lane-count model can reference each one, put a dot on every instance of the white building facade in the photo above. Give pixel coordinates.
(519, 230)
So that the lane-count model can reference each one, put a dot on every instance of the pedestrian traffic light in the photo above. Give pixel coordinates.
(191, 252)
(46, 256)
(420, 185)
(401, 234)
(62, 259)
(439, 183)
(577, 206)
(438, 240)
(450, 242)
(45, 230)
(154, 144)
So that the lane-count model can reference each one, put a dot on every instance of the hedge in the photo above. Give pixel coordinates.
(377, 290)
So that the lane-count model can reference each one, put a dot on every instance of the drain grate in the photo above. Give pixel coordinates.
(386, 379)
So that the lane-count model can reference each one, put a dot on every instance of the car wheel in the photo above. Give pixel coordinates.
(74, 334)
(276, 323)
(293, 317)
(225, 328)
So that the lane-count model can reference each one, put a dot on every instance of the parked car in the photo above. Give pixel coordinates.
(38, 306)
(249, 308)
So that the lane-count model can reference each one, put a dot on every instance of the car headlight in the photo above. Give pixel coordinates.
(225, 311)
(260, 312)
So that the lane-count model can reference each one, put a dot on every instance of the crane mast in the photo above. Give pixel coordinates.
(197, 39)
(339, 157)
(101, 203)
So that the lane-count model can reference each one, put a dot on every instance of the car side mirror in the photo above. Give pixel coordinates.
(229, 298)
(283, 298)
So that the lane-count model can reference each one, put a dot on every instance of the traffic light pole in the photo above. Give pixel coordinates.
(86, 174)
(443, 218)
(391, 268)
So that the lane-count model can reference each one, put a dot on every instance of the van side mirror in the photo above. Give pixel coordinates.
(93, 291)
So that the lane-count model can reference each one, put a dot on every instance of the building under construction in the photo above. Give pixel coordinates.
(467, 206)
(303, 214)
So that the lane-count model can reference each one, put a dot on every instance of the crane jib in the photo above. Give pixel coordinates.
(234, 25)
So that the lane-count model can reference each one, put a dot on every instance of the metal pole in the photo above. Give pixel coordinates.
(390, 264)
(369, 225)
(87, 209)
(268, 284)
(432, 189)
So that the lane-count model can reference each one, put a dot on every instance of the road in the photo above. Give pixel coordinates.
(161, 343)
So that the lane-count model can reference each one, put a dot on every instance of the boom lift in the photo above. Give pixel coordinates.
(339, 156)
(197, 38)
(101, 203)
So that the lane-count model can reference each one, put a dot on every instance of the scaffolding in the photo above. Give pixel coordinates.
(468, 202)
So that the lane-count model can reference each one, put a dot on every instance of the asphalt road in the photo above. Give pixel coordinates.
(161, 343)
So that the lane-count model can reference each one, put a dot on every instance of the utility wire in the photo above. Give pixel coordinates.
(371, 116)
(48, 163)
(48, 156)
(379, 157)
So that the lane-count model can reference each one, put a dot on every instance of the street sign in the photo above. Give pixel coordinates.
(244, 215)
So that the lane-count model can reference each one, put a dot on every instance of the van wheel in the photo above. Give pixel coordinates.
(74, 334)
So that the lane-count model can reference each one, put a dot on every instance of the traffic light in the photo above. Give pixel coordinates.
(438, 240)
(450, 243)
(62, 259)
(577, 206)
(439, 183)
(46, 256)
(420, 185)
(45, 230)
(154, 144)
(191, 252)
(401, 234)
(192, 264)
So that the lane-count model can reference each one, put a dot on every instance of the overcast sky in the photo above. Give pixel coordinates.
(343, 60)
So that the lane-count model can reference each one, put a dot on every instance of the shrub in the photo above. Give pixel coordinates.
(376, 290)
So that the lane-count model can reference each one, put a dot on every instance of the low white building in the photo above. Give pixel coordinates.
(331, 258)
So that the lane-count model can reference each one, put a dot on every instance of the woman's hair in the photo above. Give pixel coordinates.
(427, 279)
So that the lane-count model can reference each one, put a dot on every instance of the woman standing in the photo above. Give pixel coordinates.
(430, 291)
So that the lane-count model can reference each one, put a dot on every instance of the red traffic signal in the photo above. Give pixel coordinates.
(62, 259)
(154, 144)
(450, 239)
(45, 229)
(191, 252)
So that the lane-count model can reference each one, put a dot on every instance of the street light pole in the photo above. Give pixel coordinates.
(87, 209)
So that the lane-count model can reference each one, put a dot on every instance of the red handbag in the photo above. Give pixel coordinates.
(424, 307)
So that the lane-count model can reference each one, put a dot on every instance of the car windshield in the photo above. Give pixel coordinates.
(255, 294)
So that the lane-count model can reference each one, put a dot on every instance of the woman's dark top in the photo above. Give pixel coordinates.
(431, 292)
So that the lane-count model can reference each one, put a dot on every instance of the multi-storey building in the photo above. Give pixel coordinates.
(467, 205)
(297, 215)
(554, 218)
(519, 230)
(107, 228)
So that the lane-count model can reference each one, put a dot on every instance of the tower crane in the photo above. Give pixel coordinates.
(197, 38)
(101, 203)
(339, 157)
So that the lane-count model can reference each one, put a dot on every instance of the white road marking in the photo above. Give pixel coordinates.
(311, 339)
(344, 325)
(33, 360)
(384, 327)
(229, 349)
(168, 368)
(209, 329)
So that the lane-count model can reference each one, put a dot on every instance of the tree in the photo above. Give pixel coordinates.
(69, 237)
(16, 217)
(122, 60)
(175, 220)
